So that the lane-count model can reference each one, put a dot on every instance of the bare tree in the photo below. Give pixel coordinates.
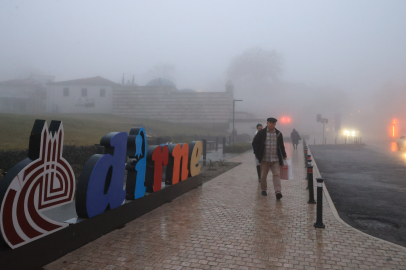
(255, 66)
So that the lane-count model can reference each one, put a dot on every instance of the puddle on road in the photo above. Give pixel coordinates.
(375, 224)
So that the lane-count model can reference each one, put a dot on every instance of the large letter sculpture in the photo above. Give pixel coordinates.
(42, 181)
(157, 158)
(137, 152)
(100, 185)
(178, 163)
(195, 152)
(181, 161)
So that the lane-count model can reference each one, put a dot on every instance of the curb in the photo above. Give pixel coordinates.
(336, 215)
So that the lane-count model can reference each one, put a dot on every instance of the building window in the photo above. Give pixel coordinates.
(84, 92)
(66, 92)
(102, 92)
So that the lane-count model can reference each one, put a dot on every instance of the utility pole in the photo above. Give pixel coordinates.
(323, 121)
(234, 114)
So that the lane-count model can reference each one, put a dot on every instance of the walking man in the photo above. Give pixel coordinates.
(270, 151)
(295, 138)
(259, 127)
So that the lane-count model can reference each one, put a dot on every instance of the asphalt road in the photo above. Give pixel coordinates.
(368, 187)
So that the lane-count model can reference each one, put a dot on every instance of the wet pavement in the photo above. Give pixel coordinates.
(367, 187)
(67, 212)
(227, 224)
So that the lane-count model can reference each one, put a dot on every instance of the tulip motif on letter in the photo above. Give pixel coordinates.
(42, 181)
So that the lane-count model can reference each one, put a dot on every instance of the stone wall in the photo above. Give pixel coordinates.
(169, 104)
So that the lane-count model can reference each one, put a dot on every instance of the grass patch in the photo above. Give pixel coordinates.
(88, 129)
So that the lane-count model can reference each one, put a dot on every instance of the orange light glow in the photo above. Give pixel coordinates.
(394, 130)
(285, 120)
(393, 147)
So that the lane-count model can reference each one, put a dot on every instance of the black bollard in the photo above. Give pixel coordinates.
(319, 219)
(307, 173)
(308, 164)
(204, 151)
(217, 144)
(305, 156)
(310, 185)
(224, 145)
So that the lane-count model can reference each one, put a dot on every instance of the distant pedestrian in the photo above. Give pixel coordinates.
(295, 138)
(259, 127)
(270, 151)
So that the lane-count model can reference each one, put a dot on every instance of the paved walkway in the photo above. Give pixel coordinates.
(227, 224)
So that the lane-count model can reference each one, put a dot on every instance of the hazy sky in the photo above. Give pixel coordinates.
(354, 45)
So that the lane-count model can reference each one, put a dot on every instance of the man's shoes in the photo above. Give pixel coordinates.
(264, 193)
(278, 195)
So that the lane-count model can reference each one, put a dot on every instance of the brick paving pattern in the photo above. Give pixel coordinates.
(228, 224)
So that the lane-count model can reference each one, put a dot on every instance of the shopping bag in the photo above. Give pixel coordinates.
(286, 170)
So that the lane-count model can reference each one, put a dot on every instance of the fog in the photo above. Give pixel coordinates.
(292, 58)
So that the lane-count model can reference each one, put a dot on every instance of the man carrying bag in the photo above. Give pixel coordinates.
(269, 149)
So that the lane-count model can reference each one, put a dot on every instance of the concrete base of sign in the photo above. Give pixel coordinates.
(47, 249)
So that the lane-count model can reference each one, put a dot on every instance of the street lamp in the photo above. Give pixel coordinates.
(233, 115)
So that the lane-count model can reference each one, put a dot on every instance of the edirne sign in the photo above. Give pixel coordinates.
(45, 179)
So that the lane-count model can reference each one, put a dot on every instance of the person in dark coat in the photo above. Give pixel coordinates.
(270, 151)
(295, 138)
(259, 127)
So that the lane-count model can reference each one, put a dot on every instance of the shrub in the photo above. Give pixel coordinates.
(75, 155)
(241, 138)
(238, 148)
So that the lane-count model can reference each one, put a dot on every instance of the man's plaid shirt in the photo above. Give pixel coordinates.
(270, 154)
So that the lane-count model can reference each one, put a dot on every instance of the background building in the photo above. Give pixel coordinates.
(24, 96)
(89, 95)
(160, 99)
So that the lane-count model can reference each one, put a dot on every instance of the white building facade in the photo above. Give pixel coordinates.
(89, 95)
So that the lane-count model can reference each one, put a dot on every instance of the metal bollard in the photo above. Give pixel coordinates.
(204, 151)
(310, 185)
(305, 157)
(319, 219)
(224, 145)
(309, 163)
(307, 171)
